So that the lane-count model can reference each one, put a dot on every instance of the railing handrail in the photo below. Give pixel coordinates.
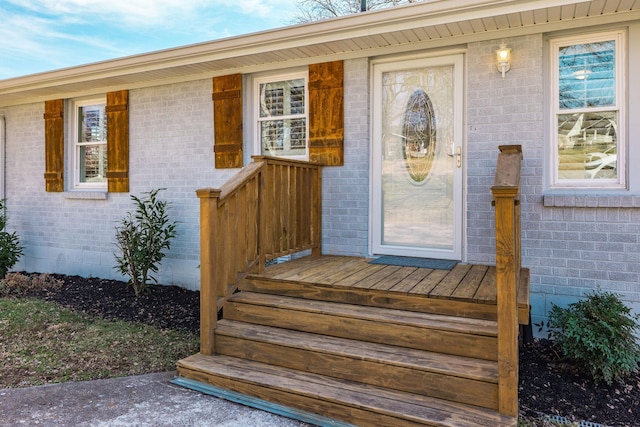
(506, 191)
(270, 208)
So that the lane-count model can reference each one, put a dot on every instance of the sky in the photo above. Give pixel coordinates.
(45, 35)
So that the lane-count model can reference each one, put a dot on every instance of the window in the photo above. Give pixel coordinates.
(80, 153)
(281, 115)
(90, 144)
(588, 144)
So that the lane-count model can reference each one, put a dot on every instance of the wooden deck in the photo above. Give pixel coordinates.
(336, 340)
(467, 290)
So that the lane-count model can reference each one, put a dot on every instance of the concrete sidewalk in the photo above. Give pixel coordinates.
(145, 400)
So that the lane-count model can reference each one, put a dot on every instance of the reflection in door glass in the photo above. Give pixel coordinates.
(417, 163)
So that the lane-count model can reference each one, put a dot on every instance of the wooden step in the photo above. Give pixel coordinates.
(359, 404)
(455, 378)
(444, 334)
(368, 297)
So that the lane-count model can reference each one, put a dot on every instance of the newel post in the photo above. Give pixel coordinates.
(505, 194)
(208, 289)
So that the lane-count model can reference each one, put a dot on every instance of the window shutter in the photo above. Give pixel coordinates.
(326, 113)
(54, 145)
(118, 141)
(227, 119)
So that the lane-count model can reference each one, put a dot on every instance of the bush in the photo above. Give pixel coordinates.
(599, 334)
(142, 238)
(10, 247)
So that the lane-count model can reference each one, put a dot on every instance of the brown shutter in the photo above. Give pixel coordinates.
(227, 119)
(118, 141)
(326, 113)
(54, 144)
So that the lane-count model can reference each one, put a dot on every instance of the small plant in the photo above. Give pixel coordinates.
(599, 333)
(142, 238)
(10, 247)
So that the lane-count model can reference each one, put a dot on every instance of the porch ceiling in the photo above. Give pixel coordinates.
(429, 24)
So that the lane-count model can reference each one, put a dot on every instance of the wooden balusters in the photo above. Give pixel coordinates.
(271, 208)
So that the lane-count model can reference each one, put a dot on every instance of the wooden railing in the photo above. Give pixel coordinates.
(506, 193)
(271, 208)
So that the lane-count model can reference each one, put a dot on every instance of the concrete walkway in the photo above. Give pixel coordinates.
(145, 400)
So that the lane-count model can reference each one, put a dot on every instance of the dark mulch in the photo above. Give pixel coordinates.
(547, 384)
(554, 386)
(166, 307)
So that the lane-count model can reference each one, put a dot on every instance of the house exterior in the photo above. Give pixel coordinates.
(405, 106)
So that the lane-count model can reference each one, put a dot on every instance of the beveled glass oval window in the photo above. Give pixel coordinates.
(419, 136)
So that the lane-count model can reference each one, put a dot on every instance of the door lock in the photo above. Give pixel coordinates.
(459, 156)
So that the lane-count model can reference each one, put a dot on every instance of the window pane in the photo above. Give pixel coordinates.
(282, 98)
(92, 123)
(587, 75)
(587, 145)
(283, 137)
(93, 163)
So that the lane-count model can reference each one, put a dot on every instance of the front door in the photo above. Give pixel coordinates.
(417, 158)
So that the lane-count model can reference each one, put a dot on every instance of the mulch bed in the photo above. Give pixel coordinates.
(548, 384)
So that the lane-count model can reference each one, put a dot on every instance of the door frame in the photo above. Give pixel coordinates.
(375, 200)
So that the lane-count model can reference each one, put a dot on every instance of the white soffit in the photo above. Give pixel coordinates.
(432, 23)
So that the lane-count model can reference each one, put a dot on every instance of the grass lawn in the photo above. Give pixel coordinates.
(42, 343)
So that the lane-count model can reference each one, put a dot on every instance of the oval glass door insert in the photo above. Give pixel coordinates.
(419, 136)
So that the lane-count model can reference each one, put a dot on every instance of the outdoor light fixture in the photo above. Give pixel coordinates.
(503, 59)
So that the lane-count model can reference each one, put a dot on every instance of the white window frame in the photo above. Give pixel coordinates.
(619, 37)
(256, 119)
(76, 145)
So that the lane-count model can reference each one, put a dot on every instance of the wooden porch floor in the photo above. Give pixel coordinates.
(465, 290)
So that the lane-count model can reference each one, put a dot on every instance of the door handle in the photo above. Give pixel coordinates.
(459, 156)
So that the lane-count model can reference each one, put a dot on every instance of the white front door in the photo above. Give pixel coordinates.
(417, 189)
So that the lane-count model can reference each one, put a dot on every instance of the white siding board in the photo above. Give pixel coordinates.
(466, 27)
(582, 10)
(567, 12)
(443, 31)
(611, 6)
(540, 16)
(554, 14)
(478, 26)
(528, 18)
(597, 6)
(502, 22)
(490, 24)
(454, 29)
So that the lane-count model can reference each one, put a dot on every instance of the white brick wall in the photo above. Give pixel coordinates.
(171, 146)
(571, 250)
(345, 202)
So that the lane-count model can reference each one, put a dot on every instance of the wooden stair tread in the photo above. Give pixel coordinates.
(375, 314)
(451, 365)
(268, 382)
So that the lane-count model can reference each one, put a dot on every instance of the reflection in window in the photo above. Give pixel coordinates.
(587, 112)
(91, 144)
(282, 117)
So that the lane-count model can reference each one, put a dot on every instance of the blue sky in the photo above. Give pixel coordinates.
(44, 35)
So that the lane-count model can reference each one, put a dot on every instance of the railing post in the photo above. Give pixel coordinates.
(208, 286)
(316, 212)
(505, 193)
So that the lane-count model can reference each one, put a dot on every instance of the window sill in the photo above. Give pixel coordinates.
(591, 200)
(86, 195)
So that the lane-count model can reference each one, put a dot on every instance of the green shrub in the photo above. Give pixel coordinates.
(10, 247)
(598, 333)
(142, 238)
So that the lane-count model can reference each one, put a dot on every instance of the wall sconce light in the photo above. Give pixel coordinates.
(503, 58)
